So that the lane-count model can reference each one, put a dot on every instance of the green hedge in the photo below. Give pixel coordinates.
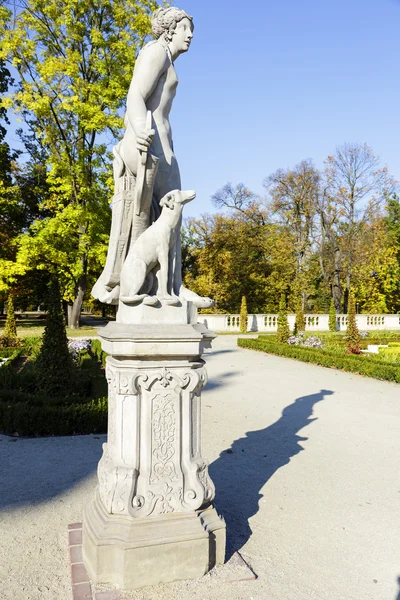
(10, 352)
(24, 419)
(26, 411)
(363, 365)
(97, 351)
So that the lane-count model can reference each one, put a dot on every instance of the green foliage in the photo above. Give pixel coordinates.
(73, 63)
(98, 352)
(363, 365)
(300, 323)
(55, 368)
(243, 315)
(283, 332)
(10, 329)
(352, 333)
(26, 409)
(332, 316)
(71, 419)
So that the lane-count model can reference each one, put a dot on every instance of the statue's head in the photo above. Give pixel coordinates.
(175, 25)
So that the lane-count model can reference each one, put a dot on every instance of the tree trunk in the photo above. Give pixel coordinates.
(74, 315)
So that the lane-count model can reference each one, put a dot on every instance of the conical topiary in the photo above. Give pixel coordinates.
(283, 332)
(352, 335)
(243, 315)
(300, 323)
(332, 316)
(10, 329)
(54, 366)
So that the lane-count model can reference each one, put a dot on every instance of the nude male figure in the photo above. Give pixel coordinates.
(153, 90)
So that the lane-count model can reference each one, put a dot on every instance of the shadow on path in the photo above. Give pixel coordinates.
(398, 595)
(241, 471)
(37, 470)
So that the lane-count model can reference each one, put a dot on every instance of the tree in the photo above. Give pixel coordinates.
(294, 194)
(240, 199)
(332, 316)
(12, 214)
(226, 260)
(355, 188)
(376, 276)
(283, 332)
(74, 61)
(243, 315)
(54, 366)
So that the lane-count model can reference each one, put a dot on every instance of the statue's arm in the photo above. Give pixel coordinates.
(151, 64)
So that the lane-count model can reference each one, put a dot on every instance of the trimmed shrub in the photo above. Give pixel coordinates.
(332, 316)
(28, 420)
(300, 323)
(283, 332)
(25, 410)
(363, 365)
(352, 333)
(98, 352)
(243, 315)
(10, 329)
(54, 366)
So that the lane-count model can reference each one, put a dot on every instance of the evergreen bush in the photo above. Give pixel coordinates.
(54, 366)
(283, 332)
(300, 323)
(243, 315)
(332, 316)
(10, 330)
(352, 334)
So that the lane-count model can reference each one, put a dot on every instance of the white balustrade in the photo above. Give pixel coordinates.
(314, 322)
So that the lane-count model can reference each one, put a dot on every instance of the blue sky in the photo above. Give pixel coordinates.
(267, 83)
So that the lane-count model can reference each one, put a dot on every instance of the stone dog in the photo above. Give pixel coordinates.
(151, 258)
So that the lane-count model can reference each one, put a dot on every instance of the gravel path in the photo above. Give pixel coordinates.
(306, 464)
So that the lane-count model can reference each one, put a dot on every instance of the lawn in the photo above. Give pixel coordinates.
(32, 325)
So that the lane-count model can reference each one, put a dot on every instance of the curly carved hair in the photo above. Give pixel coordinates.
(164, 20)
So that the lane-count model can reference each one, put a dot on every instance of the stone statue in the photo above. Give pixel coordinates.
(145, 166)
(154, 251)
(151, 518)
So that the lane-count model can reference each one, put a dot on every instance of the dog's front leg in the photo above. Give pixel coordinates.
(163, 274)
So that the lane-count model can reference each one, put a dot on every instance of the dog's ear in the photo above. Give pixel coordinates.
(167, 200)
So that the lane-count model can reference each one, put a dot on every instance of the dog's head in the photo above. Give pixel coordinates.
(177, 197)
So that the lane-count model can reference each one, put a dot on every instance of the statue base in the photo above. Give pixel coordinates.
(132, 553)
(151, 519)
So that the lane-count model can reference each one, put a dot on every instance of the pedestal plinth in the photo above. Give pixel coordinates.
(151, 519)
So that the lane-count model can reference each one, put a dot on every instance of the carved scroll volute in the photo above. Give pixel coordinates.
(199, 489)
(105, 470)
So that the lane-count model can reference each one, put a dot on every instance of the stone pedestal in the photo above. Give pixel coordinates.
(151, 519)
